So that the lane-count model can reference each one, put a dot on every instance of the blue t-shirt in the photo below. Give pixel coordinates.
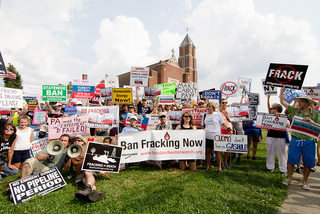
(130, 129)
(250, 128)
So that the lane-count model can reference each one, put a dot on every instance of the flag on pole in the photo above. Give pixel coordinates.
(9, 75)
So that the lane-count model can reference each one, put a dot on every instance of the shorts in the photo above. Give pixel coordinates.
(36, 165)
(209, 143)
(299, 147)
(253, 138)
(81, 176)
(21, 156)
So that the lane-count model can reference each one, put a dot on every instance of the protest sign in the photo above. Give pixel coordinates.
(197, 115)
(39, 117)
(98, 87)
(162, 145)
(67, 125)
(139, 76)
(174, 117)
(37, 184)
(153, 121)
(98, 120)
(290, 76)
(238, 113)
(211, 94)
(106, 93)
(189, 90)
(289, 94)
(310, 129)
(254, 98)
(229, 89)
(3, 70)
(166, 99)
(122, 95)
(83, 92)
(252, 109)
(167, 88)
(244, 85)
(313, 92)
(150, 92)
(134, 91)
(111, 82)
(276, 122)
(10, 98)
(31, 103)
(80, 82)
(38, 145)
(142, 122)
(70, 110)
(32, 90)
(100, 157)
(231, 143)
(54, 93)
(114, 110)
(268, 89)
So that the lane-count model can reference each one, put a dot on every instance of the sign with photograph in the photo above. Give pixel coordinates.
(111, 82)
(139, 76)
(244, 85)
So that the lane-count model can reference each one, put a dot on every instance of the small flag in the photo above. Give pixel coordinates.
(9, 75)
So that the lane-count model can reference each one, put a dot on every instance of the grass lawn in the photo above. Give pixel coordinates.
(246, 188)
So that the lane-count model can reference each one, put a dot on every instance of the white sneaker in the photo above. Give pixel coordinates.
(286, 182)
(305, 186)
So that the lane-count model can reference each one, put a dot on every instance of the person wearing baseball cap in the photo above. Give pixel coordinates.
(164, 123)
(301, 144)
(133, 125)
(142, 107)
(57, 109)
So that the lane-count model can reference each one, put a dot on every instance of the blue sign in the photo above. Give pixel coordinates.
(213, 95)
(289, 94)
(70, 110)
(83, 88)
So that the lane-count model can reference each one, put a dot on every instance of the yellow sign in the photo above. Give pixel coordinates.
(122, 95)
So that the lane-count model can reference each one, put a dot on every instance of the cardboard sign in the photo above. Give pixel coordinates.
(39, 117)
(3, 70)
(166, 99)
(70, 110)
(100, 157)
(290, 76)
(67, 125)
(37, 184)
(54, 93)
(310, 129)
(229, 89)
(139, 76)
(97, 120)
(31, 103)
(238, 113)
(32, 90)
(289, 94)
(162, 145)
(106, 93)
(98, 87)
(80, 82)
(152, 123)
(313, 92)
(167, 88)
(38, 145)
(189, 90)
(174, 117)
(111, 82)
(252, 110)
(122, 95)
(276, 122)
(83, 92)
(254, 98)
(244, 85)
(212, 94)
(10, 98)
(197, 115)
(142, 122)
(268, 89)
(150, 92)
(231, 143)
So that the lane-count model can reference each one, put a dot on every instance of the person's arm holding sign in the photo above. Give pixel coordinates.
(268, 102)
(282, 101)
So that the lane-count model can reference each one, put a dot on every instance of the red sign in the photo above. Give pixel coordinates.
(83, 95)
(289, 77)
(98, 87)
(228, 88)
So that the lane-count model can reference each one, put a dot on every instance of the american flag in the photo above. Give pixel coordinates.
(10, 75)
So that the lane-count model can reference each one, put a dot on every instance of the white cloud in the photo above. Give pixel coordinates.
(187, 4)
(168, 41)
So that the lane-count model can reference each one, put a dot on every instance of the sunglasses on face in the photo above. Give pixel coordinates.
(187, 116)
(179, 109)
(224, 102)
(77, 140)
(9, 129)
(162, 116)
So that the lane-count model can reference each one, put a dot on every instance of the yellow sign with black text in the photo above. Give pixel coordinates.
(122, 95)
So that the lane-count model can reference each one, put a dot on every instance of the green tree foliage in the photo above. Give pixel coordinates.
(11, 83)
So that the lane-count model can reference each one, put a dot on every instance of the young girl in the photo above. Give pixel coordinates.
(21, 147)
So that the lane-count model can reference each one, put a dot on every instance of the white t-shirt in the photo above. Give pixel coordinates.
(213, 122)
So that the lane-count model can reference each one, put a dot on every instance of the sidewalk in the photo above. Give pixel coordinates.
(302, 201)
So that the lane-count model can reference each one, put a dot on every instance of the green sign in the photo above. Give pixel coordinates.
(54, 93)
(167, 88)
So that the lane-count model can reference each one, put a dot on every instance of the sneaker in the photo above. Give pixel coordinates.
(305, 186)
(286, 182)
(95, 196)
(284, 174)
(84, 193)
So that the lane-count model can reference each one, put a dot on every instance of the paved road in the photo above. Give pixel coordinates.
(302, 201)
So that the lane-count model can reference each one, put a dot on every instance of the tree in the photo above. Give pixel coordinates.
(11, 83)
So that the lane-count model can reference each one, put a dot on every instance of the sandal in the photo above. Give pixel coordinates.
(298, 170)
(248, 158)
(227, 166)
(223, 166)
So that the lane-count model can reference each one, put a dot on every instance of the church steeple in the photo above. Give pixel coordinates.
(187, 60)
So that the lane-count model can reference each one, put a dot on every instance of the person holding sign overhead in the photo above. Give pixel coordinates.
(301, 144)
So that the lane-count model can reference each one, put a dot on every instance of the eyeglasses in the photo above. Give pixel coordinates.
(187, 116)
(224, 102)
(9, 129)
(162, 116)
(179, 109)
(77, 140)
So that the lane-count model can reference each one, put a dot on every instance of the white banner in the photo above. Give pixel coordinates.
(276, 122)
(10, 98)
(231, 143)
(310, 129)
(32, 90)
(162, 145)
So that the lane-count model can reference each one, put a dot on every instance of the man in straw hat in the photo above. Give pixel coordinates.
(301, 144)
(88, 178)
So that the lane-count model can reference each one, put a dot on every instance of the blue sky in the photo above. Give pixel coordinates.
(52, 42)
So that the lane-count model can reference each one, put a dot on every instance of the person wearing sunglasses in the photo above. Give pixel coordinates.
(164, 123)
(187, 123)
(7, 136)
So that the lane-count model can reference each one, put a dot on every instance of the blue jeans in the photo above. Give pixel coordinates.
(6, 170)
